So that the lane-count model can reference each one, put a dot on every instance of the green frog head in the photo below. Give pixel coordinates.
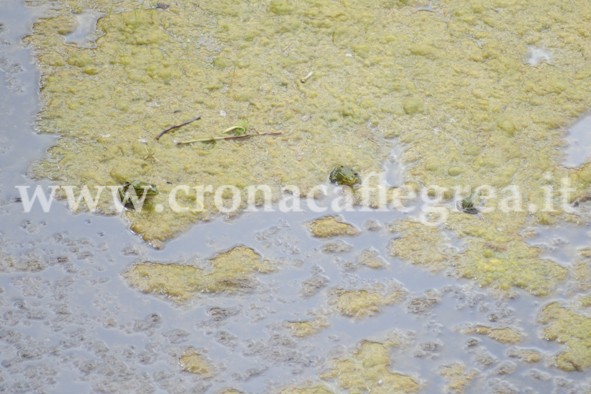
(343, 175)
(140, 189)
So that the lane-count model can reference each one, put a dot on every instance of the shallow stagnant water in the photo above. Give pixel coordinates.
(70, 322)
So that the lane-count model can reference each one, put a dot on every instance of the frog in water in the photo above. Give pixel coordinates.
(140, 188)
(343, 175)
(468, 204)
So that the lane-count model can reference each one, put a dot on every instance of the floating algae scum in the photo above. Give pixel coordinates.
(472, 92)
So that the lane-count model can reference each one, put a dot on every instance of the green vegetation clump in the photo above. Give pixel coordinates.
(505, 335)
(192, 361)
(229, 272)
(331, 226)
(572, 329)
(365, 302)
(368, 368)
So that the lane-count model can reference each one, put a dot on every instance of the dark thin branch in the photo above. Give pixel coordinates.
(227, 138)
(178, 126)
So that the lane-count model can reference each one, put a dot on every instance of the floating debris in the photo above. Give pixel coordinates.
(178, 126)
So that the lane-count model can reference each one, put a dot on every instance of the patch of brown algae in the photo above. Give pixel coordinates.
(229, 271)
(574, 330)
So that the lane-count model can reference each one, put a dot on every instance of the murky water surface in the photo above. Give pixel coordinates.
(71, 323)
(579, 142)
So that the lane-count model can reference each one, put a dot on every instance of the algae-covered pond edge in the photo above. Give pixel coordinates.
(454, 86)
(456, 375)
(241, 83)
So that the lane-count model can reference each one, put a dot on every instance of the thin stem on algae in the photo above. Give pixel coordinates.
(226, 138)
(177, 126)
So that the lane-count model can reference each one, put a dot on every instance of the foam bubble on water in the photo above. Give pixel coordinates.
(579, 142)
(535, 56)
(85, 33)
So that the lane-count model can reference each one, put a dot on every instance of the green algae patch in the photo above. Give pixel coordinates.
(514, 264)
(363, 303)
(306, 328)
(192, 361)
(585, 301)
(331, 226)
(496, 257)
(457, 377)
(368, 369)
(228, 272)
(311, 389)
(23, 263)
(581, 273)
(419, 244)
(371, 259)
(529, 356)
(504, 335)
(232, 64)
(572, 329)
(493, 257)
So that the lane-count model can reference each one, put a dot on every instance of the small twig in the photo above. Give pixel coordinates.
(237, 130)
(226, 138)
(581, 199)
(308, 76)
(177, 127)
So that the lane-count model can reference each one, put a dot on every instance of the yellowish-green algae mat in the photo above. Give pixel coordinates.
(336, 79)
(571, 328)
(367, 369)
(227, 272)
